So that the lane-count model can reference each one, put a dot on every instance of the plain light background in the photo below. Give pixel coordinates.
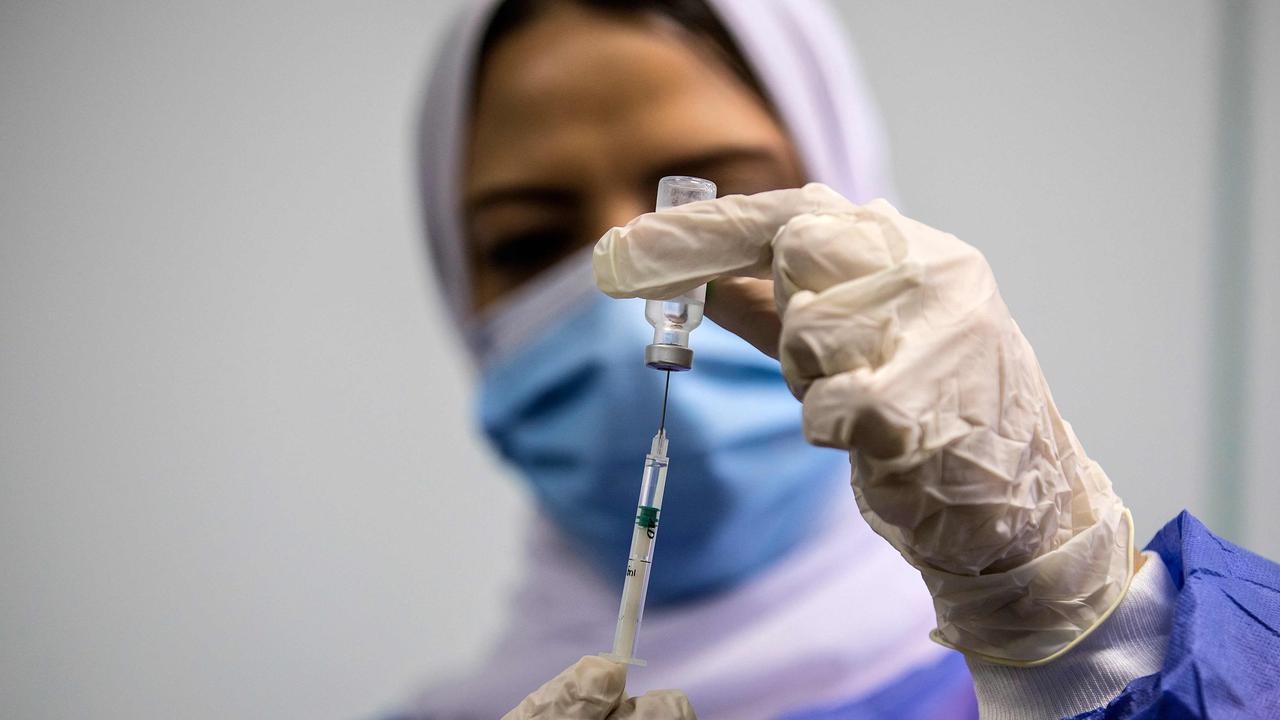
(238, 473)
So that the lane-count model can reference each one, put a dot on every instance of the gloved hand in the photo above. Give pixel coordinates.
(896, 339)
(595, 689)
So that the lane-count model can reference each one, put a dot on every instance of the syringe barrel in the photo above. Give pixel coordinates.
(674, 319)
(634, 589)
(653, 480)
(643, 535)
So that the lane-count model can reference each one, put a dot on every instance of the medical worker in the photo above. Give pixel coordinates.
(548, 122)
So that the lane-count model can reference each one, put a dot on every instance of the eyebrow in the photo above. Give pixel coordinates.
(719, 156)
(539, 194)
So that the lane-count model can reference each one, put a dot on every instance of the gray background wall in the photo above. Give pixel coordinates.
(238, 477)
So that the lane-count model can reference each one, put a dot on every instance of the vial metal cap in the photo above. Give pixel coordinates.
(662, 356)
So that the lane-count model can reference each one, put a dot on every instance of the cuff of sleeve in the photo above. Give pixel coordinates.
(1128, 645)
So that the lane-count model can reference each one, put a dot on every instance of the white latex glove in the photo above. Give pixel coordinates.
(895, 338)
(595, 689)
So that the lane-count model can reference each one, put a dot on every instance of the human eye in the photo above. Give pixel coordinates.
(528, 251)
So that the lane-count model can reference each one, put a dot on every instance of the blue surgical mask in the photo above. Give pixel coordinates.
(574, 408)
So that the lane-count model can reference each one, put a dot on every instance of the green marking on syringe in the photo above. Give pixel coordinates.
(647, 517)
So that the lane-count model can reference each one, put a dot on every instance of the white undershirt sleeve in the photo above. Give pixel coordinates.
(1129, 644)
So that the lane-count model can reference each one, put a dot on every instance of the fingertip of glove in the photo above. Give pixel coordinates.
(600, 677)
(603, 266)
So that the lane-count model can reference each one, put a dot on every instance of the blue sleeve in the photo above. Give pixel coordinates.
(1223, 659)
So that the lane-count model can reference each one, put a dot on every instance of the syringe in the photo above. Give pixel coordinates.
(672, 321)
(652, 483)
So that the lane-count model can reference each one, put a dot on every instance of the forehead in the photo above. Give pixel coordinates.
(577, 90)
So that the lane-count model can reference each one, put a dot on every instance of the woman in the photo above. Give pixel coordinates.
(560, 131)
(549, 122)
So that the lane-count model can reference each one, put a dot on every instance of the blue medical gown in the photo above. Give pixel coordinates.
(1223, 659)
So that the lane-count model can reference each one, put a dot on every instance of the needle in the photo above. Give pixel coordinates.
(662, 424)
